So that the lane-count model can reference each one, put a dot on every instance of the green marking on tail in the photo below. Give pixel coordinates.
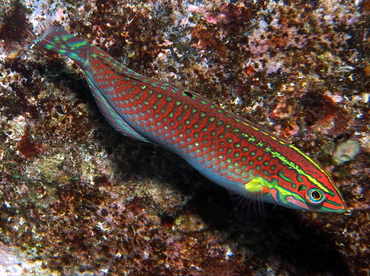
(67, 37)
(77, 44)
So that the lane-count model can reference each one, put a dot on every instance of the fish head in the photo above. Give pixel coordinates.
(309, 192)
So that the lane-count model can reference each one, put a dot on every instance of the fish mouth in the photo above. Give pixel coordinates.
(333, 207)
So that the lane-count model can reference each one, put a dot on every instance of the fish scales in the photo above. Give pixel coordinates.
(229, 150)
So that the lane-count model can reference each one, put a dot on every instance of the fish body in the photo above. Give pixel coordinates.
(227, 149)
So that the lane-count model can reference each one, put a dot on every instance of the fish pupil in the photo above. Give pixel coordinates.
(316, 195)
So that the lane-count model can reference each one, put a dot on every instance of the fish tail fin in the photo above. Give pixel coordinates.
(58, 40)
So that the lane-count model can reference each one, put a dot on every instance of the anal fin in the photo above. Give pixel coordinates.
(112, 116)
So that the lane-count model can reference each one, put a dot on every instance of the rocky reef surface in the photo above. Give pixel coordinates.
(78, 198)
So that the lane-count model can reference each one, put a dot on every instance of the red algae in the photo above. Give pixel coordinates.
(78, 197)
(27, 147)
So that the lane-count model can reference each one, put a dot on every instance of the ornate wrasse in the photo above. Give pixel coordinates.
(229, 150)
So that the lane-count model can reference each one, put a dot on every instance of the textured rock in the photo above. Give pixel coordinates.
(78, 197)
(346, 151)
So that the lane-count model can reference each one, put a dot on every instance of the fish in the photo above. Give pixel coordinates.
(231, 151)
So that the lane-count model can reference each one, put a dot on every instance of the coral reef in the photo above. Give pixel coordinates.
(79, 198)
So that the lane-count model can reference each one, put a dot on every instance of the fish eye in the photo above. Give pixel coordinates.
(315, 196)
